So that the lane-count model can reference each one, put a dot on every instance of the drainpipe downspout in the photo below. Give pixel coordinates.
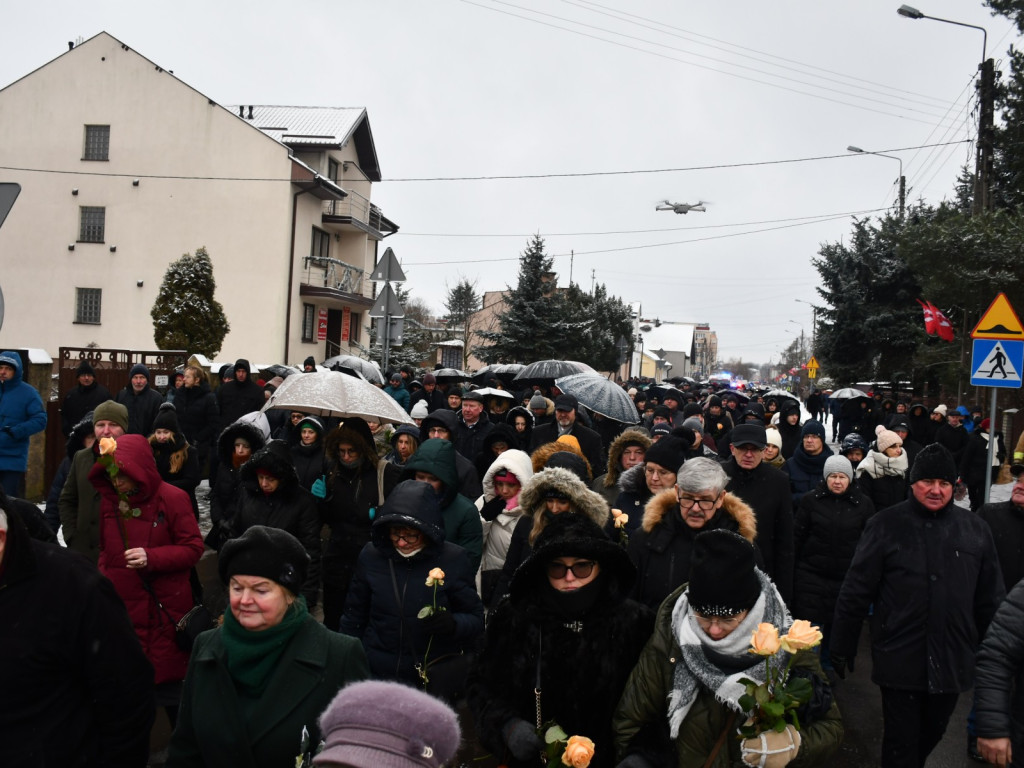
(291, 273)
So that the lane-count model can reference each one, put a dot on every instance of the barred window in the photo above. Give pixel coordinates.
(321, 244)
(308, 321)
(87, 305)
(97, 142)
(92, 224)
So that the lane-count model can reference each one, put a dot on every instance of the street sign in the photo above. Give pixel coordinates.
(812, 373)
(999, 322)
(997, 363)
(8, 194)
(388, 269)
(812, 364)
(387, 304)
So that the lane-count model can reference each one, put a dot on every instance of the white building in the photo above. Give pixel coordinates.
(124, 167)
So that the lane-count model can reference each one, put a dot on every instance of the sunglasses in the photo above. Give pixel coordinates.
(580, 570)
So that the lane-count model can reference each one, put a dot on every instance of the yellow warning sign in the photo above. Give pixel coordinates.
(999, 322)
(812, 364)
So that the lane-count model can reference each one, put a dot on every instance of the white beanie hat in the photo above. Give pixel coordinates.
(774, 438)
(940, 408)
(419, 411)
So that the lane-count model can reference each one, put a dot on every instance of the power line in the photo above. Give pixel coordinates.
(548, 235)
(712, 69)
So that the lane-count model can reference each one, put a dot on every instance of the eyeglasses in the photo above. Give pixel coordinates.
(437, 432)
(687, 502)
(723, 622)
(581, 569)
(409, 537)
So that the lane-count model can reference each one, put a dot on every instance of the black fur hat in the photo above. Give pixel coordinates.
(268, 552)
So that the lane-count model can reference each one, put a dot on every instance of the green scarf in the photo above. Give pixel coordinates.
(252, 656)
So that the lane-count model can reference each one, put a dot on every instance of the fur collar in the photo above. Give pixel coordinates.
(666, 502)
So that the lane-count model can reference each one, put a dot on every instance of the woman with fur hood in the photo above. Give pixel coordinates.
(663, 547)
(500, 508)
(270, 495)
(626, 451)
(568, 621)
(882, 473)
(549, 493)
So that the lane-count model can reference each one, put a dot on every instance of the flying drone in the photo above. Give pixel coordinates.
(681, 207)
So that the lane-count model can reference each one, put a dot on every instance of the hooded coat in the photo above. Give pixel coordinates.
(389, 590)
(198, 416)
(461, 519)
(78, 690)
(499, 525)
(825, 538)
(21, 415)
(166, 528)
(662, 549)
(767, 491)
(633, 495)
(999, 685)
(934, 581)
(586, 652)
(534, 516)
(922, 428)
(290, 507)
(224, 493)
(608, 483)
(309, 460)
(469, 480)
(510, 419)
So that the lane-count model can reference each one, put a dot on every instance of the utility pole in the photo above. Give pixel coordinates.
(986, 137)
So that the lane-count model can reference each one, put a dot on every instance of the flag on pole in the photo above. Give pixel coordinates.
(943, 327)
(930, 324)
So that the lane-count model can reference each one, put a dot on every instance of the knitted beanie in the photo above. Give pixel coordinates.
(838, 465)
(722, 577)
(111, 411)
(886, 439)
(934, 462)
(774, 437)
(812, 427)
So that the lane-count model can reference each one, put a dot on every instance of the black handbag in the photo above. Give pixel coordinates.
(188, 627)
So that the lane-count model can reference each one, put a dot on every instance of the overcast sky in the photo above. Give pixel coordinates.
(470, 88)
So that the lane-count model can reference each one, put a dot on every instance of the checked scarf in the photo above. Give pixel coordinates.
(696, 669)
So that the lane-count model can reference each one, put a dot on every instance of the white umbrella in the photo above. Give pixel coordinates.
(847, 392)
(331, 393)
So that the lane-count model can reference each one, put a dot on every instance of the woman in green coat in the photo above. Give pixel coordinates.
(256, 686)
(680, 705)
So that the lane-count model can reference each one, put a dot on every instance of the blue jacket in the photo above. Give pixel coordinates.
(21, 415)
(399, 394)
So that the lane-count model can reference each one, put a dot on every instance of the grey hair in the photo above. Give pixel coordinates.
(699, 475)
(3, 520)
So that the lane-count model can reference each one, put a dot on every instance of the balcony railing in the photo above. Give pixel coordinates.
(356, 207)
(336, 274)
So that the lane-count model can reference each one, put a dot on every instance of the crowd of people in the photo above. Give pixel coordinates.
(513, 554)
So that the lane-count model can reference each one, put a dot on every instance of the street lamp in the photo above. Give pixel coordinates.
(902, 180)
(986, 115)
(814, 320)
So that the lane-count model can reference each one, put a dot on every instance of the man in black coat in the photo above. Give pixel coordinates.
(566, 423)
(766, 490)
(931, 570)
(953, 436)
(435, 398)
(473, 426)
(82, 398)
(1006, 519)
(78, 689)
(141, 400)
(239, 396)
(999, 690)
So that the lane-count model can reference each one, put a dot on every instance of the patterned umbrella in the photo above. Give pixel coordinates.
(600, 395)
(546, 371)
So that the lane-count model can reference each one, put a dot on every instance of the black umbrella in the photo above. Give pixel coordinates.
(546, 371)
(504, 372)
(600, 395)
(450, 375)
(284, 371)
(366, 369)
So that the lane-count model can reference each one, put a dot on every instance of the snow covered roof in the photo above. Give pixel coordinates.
(671, 337)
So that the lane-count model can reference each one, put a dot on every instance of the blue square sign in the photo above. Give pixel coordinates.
(997, 363)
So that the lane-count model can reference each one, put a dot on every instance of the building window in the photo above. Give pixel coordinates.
(332, 169)
(321, 244)
(92, 224)
(355, 327)
(97, 142)
(87, 305)
(308, 321)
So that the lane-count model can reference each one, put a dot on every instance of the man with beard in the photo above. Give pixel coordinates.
(766, 490)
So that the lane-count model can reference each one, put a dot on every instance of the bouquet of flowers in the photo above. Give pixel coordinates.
(771, 732)
(560, 749)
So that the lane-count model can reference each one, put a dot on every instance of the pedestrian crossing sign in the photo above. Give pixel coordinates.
(997, 363)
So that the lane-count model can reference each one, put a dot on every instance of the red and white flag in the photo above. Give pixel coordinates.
(930, 324)
(943, 327)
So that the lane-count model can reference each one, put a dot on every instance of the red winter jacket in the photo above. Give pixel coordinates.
(167, 530)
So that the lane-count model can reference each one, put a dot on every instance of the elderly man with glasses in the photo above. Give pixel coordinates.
(663, 547)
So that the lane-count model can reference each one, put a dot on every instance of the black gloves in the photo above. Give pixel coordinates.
(522, 739)
(492, 508)
(840, 664)
(439, 623)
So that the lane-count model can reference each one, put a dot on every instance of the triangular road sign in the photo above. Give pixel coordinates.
(999, 322)
(387, 304)
(812, 364)
(8, 194)
(388, 269)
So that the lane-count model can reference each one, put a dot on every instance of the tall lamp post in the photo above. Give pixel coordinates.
(901, 180)
(814, 321)
(986, 116)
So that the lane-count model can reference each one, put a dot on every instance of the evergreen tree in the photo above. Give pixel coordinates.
(416, 339)
(185, 314)
(462, 303)
(602, 320)
(534, 325)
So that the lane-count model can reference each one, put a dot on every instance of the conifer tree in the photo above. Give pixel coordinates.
(185, 314)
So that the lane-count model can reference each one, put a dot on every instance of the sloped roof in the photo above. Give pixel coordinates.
(317, 127)
(672, 337)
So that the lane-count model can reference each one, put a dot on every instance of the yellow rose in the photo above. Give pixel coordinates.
(621, 518)
(107, 445)
(765, 640)
(579, 751)
(801, 635)
(435, 577)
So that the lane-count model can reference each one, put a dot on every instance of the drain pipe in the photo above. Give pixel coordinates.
(291, 274)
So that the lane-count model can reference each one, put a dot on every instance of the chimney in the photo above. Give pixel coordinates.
(250, 111)
(241, 111)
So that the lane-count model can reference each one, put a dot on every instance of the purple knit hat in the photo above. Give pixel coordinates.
(387, 725)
